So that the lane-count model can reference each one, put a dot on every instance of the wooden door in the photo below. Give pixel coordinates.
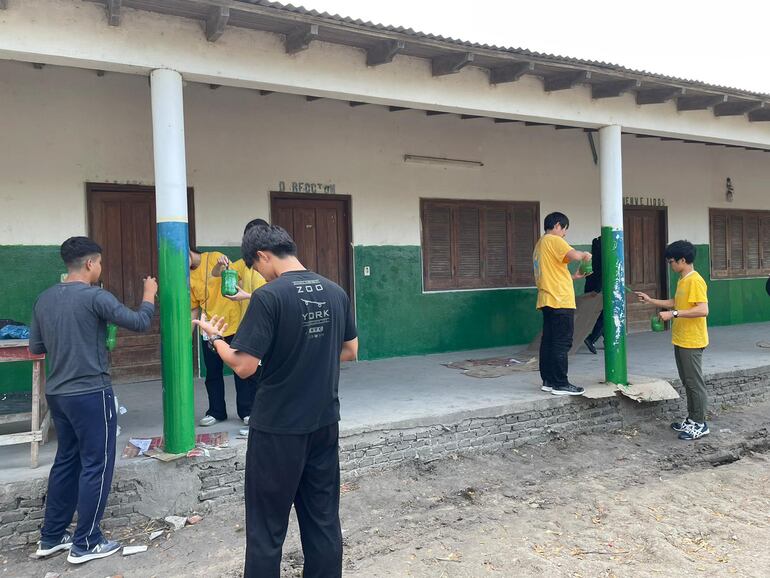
(320, 225)
(122, 220)
(645, 239)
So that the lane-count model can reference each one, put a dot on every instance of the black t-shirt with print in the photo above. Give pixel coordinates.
(296, 325)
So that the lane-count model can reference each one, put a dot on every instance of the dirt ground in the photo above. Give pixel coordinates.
(631, 503)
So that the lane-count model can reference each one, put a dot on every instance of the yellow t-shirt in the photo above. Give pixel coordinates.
(553, 279)
(690, 333)
(248, 279)
(206, 293)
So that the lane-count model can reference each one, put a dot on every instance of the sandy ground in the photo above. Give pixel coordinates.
(631, 503)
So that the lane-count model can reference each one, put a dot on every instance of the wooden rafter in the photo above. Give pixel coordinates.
(300, 38)
(657, 95)
(613, 88)
(565, 80)
(312, 98)
(113, 11)
(505, 120)
(450, 63)
(435, 112)
(216, 21)
(355, 103)
(266, 92)
(737, 108)
(383, 52)
(510, 72)
(704, 102)
(398, 108)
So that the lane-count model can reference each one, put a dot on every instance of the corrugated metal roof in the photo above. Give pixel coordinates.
(523, 52)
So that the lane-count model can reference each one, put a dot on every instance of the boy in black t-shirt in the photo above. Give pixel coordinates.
(300, 326)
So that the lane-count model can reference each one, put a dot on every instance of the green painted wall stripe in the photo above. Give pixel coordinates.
(614, 296)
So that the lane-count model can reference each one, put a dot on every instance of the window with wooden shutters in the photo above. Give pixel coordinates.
(740, 243)
(477, 244)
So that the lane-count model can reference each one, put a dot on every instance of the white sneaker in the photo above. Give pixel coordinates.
(207, 420)
(246, 420)
(244, 431)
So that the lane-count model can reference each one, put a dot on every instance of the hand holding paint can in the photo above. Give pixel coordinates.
(656, 323)
(585, 268)
(229, 282)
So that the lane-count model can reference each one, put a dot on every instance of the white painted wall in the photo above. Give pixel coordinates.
(75, 33)
(63, 127)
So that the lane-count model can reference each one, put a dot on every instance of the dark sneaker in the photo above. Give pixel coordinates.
(101, 550)
(694, 431)
(46, 547)
(589, 345)
(546, 387)
(568, 389)
(681, 425)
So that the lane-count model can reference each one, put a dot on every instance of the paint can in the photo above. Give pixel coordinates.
(656, 323)
(229, 282)
(585, 268)
(112, 336)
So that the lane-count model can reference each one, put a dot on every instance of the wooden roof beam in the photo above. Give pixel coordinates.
(299, 38)
(657, 95)
(613, 88)
(703, 102)
(312, 98)
(383, 52)
(565, 80)
(737, 108)
(113, 11)
(760, 115)
(398, 108)
(470, 116)
(265, 92)
(435, 112)
(450, 63)
(504, 120)
(354, 103)
(216, 21)
(510, 72)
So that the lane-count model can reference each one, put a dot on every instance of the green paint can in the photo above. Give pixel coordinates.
(112, 336)
(585, 268)
(656, 323)
(229, 282)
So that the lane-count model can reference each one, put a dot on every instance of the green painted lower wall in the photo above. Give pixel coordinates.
(395, 317)
(731, 301)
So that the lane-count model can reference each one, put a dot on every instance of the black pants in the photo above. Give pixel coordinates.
(245, 389)
(303, 470)
(598, 329)
(558, 327)
(81, 474)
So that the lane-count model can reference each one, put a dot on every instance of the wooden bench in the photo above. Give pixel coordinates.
(39, 416)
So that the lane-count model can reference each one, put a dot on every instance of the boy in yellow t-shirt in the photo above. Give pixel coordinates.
(556, 300)
(688, 310)
(206, 299)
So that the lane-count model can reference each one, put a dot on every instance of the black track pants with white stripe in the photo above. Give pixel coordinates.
(81, 475)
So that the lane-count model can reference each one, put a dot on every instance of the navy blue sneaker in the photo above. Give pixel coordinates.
(101, 550)
(694, 431)
(46, 547)
(681, 425)
(568, 389)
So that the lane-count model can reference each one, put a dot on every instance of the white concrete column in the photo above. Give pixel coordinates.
(613, 255)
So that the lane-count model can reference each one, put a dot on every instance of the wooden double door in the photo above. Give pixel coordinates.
(320, 226)
(645, 241)
(121, 219)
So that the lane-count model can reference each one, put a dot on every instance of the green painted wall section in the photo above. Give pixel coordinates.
(28, 271)
(731, 301)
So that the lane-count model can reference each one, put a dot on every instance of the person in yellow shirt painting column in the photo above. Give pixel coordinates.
(556, 301)
(206, 301)
(689, 334)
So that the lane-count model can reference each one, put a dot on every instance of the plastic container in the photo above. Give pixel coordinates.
(229, 282)
(657, 324)
(585, 268)
(112, 336)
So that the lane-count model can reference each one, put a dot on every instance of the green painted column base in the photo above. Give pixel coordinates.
(614, 295)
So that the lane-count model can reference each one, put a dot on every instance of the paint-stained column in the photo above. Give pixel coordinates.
(173, 261)
(613, 259)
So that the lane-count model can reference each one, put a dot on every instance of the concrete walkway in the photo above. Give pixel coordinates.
(419, 390)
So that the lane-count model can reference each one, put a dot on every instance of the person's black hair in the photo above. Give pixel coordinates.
(553, 219)
(255, 223)
(75, 251)
(681, 250)
(271, 238)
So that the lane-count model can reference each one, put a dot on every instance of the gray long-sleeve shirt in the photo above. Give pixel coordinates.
(69, 325)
